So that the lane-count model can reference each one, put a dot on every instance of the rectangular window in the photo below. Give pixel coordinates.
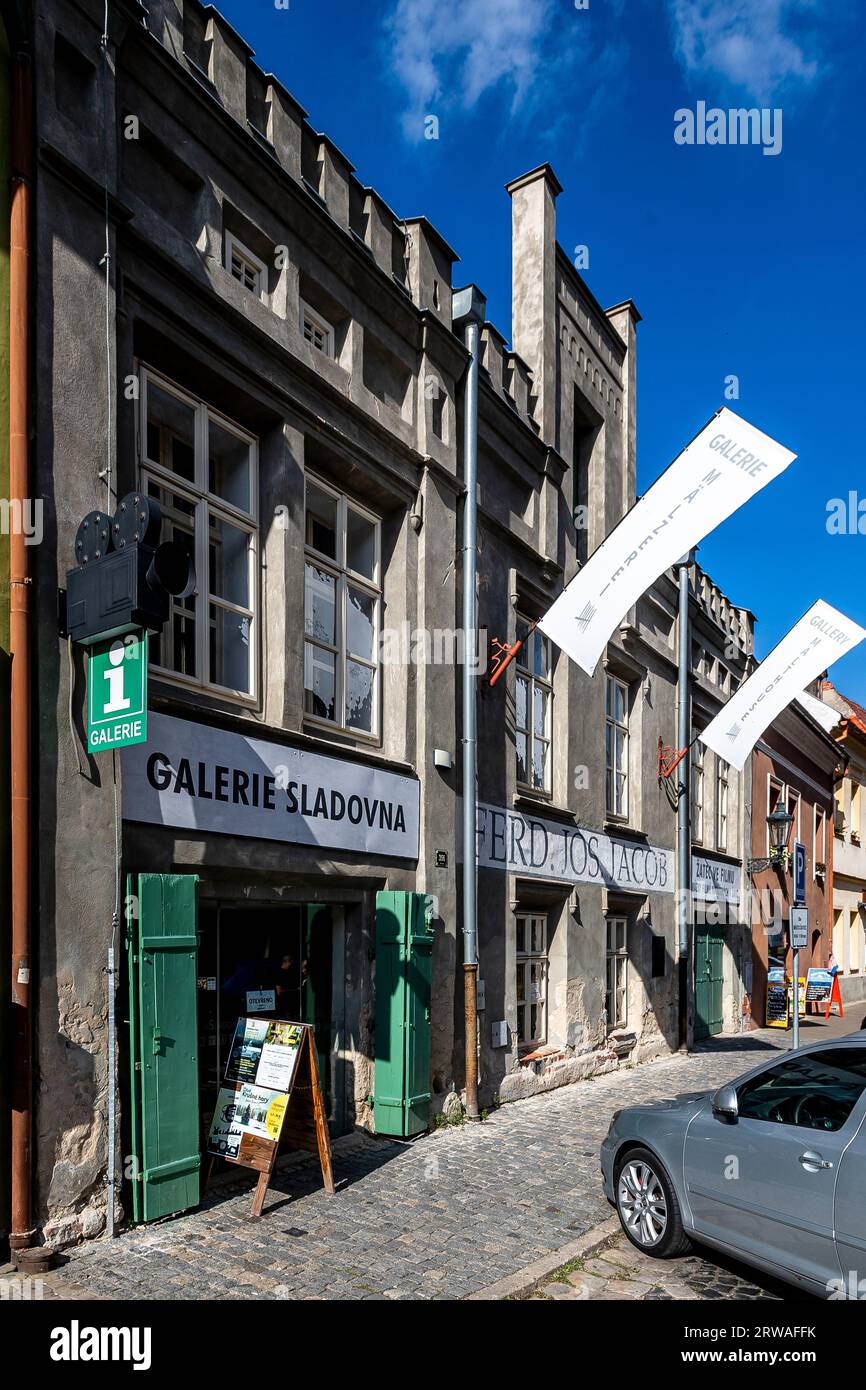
(244, 267)
(342, 600)
(616, 985)
(698, 792)
(792, 803)
(721, 804)
(531, 979)
(317, 331)
(855, 811)
(616, 746)
(533, 706)
(202, 469)
(819, 860)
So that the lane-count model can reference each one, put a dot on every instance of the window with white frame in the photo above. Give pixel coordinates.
(342, 599)
(244, 267)
(722, 776)
(792, 801)
(202, 469)
(531, 928)
(819, 860)
(616, 746)
(533, 708)
(697, 761)
(316, 330)
(616, 983)
(775, 799)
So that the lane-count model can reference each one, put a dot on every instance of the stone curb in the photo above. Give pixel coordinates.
(525, 1280)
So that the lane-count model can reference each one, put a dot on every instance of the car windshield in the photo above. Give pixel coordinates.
(815, 1091)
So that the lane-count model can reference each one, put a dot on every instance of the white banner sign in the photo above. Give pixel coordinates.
(714, 881)
(820, 637)
(722, 468)
(196, 777)
(541, 848)
(825, 715)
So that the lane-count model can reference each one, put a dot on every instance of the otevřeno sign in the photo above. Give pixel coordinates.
(723, 467)
(192, 776)
(530, 845)
(821, 637)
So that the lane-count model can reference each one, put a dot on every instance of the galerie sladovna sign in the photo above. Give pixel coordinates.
(722, 468)
(820, 637)
(195, 777)
(540, 848)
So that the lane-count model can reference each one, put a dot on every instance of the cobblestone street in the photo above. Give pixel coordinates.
(444, 1217)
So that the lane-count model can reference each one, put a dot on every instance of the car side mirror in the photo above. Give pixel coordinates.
(725, 1104)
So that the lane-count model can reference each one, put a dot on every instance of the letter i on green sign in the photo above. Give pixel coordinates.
(117, 692)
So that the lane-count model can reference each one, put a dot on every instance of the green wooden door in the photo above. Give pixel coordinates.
(709, 982)
(403, 967)
(163, 944)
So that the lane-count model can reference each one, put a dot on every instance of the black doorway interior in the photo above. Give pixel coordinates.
(271, 962)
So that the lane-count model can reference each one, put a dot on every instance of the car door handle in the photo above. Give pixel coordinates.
(813, 1162)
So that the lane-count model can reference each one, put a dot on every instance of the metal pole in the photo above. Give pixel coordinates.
(23, 1232)
(684, 856)
(795, 1030)
(469, 308)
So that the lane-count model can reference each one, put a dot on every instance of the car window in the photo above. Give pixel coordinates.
(816, 1091)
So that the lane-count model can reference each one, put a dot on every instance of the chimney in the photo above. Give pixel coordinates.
(533, 287)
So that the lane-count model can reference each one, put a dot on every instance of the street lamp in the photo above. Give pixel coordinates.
(779, 824)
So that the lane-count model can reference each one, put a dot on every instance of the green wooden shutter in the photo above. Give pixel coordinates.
(403, 965)
(164, 1050)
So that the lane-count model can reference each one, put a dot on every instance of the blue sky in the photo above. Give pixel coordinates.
(741, 263)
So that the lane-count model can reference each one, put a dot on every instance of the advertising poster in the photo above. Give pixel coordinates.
(279, 1056)
(819, 985)
(777, 999)
(246, 1049)
(245, 1110)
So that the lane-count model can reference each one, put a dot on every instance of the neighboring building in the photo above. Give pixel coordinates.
(849, 840)
(793, 767)
(286, 379)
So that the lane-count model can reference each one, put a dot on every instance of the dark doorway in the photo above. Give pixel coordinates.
(267, 962)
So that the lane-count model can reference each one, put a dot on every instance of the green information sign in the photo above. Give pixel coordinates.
(117, 692)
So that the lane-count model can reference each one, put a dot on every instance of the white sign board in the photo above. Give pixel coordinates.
(532, 846)
(199, 778)
(799, 928)
(821, 637)
(723, 468)
(714, 881)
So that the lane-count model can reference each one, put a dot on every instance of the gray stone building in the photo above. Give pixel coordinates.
(281, 372)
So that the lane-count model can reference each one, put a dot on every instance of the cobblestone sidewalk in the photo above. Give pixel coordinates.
(441, 1217)
(619, 1271)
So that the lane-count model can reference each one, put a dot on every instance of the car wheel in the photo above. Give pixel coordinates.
(647, 1206)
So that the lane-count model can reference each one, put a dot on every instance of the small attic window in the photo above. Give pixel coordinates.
(244, 267)
(317, 331)
(258, 106)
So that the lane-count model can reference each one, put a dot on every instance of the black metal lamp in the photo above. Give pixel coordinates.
(779, 824)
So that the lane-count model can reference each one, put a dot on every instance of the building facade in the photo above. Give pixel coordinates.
(793, 768)
(849, 845)
(284, 376)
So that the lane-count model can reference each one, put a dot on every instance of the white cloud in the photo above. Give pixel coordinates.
(448, 53)
(752, 44)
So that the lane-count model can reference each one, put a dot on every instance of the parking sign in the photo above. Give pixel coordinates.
(117, 692)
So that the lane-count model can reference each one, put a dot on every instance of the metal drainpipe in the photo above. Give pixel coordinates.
(468, 309)
(22, 1228)
(684, 856)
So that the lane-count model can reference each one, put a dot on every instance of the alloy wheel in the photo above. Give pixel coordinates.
(642, 1204)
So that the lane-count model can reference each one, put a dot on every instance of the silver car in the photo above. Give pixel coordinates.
(770, 1169)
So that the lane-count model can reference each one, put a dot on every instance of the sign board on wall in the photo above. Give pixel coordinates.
(197, 777)
(117, 692)
(540, 848)
(714, 880)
